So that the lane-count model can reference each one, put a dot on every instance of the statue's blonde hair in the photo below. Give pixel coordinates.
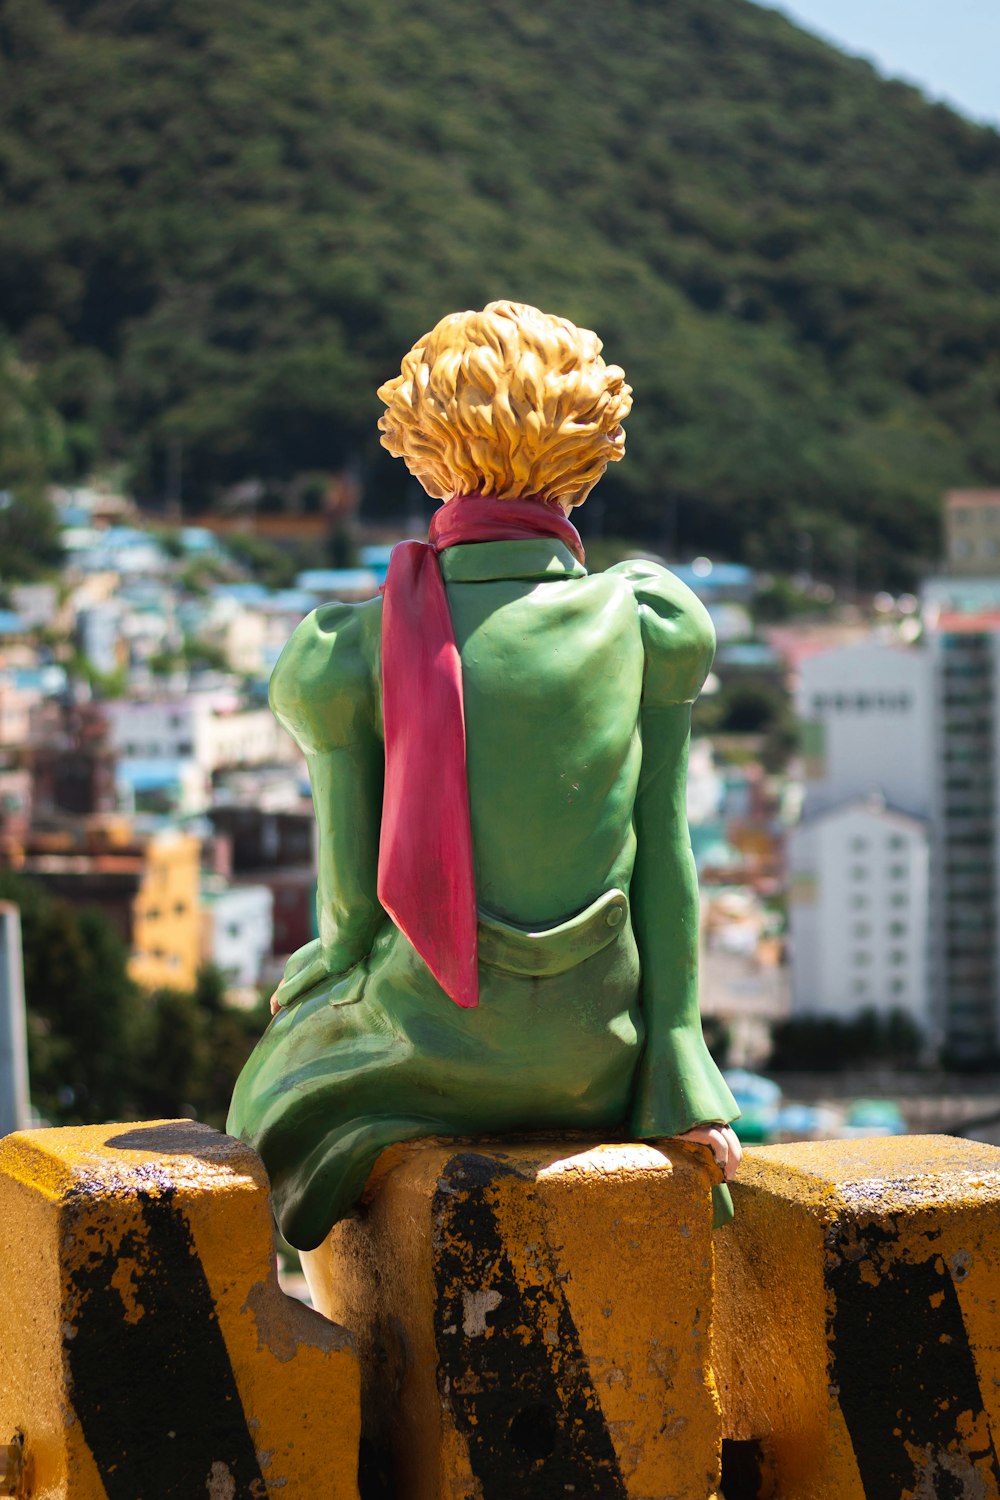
(507, 402)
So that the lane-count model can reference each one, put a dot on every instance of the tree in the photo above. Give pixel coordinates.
(80, 1007)
(191, 1049)
(829, 1044)
(31, 451)
(101, 1049)
(221, 225)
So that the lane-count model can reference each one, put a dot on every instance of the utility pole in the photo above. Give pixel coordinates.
(13, 1030)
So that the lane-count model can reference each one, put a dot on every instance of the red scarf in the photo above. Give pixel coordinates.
(426, 875)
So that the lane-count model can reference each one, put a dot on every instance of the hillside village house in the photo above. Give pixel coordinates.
(206, 731)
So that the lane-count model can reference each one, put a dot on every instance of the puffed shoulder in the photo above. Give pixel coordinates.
(677, 633)
(322, 687)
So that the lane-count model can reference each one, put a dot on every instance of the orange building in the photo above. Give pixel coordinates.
(145, 884)
(166, 914)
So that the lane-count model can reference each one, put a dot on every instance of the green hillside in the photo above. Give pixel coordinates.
(223, 221)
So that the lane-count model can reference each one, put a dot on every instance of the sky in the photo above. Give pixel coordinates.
(950, 48)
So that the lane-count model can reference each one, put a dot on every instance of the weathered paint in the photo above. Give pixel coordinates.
(856, 1329)
(12, 1466)
(148, 1351)
(533, 1319)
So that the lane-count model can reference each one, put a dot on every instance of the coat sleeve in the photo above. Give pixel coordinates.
(322, 691)
(678, 1084)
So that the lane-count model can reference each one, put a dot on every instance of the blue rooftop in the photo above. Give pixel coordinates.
(49, 680)
(243, 593)
(292, 601)
(338, 580)
(127, 536)
(714, 577)
(199, 539)
(146, 775)
(73, 515)
(377, 558)
(748, 654)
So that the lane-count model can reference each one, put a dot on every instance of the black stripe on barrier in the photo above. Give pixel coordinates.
(155, 1395)
(905, 1374)
(522, 1398)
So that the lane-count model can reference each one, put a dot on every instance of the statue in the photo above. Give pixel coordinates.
(507, 900)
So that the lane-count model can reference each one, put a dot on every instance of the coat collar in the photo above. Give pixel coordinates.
(485, 562)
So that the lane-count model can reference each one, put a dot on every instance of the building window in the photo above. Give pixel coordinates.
(858, 903)
(896, 841)
(897, 957)
(859, 872)
(861, 929)
(897, 929)
(857, 845)
(898, 899)
(897, 872)
(180, 907)
(897, 986)
(860, 958)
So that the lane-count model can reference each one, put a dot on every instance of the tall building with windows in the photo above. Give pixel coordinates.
(961, 611)
(860, 860)
(867, 714)
(965, 916)
(859, 896)
(906, 734)
(920, 729)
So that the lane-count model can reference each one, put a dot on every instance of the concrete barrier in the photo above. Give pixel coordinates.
(857, 1342)
(533, 1319)
(147, 1351)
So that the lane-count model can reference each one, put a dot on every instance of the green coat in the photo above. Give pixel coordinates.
(578, 696)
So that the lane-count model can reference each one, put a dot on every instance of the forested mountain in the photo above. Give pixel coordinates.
(223, 222)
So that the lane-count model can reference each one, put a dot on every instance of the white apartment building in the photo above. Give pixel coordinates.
(100, 637)
(920, 728)
(858, 911)
(860, 861)
(704, 783)
(198, 728)
(867, 716)
(238, 931)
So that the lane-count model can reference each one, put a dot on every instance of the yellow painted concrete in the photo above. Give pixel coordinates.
(622, 1232)
(774, 1306)
(67, 1196)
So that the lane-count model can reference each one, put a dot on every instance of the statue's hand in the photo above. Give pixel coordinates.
(723, 1143)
